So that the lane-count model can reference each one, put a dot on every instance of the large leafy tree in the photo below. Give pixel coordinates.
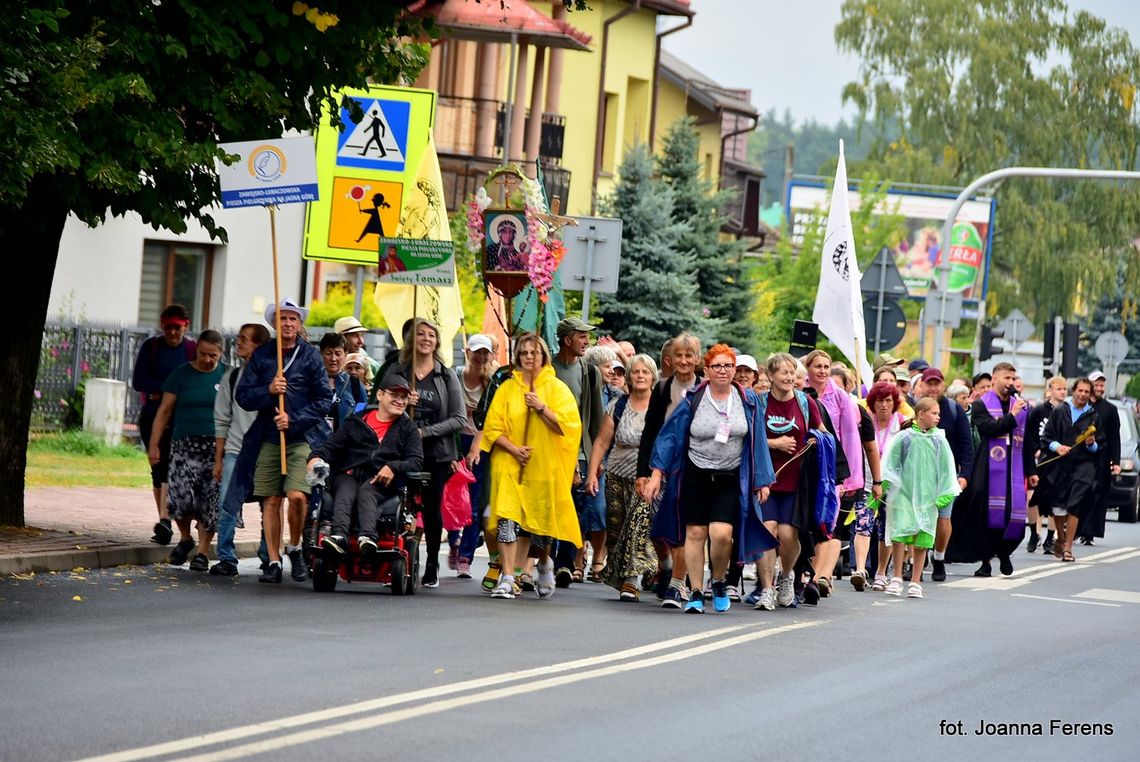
(109, 108)
(974, 85)
(657, 294)
(722, 288)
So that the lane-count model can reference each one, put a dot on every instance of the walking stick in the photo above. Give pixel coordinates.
(277, 327)
(526, 433)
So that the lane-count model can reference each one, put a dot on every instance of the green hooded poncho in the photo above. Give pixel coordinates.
(920, 477)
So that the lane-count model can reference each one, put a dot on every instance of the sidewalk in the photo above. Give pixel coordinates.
(94, 528)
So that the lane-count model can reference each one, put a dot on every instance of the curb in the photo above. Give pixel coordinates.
(102, 558)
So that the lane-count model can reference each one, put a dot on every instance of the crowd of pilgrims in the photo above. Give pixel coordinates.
(685, 474)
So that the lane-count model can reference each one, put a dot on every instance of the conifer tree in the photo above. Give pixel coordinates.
(722, 288)
(657, 290)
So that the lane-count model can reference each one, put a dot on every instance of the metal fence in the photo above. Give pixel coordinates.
(71, 353)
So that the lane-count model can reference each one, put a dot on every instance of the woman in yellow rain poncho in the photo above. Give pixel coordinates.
(532, 431)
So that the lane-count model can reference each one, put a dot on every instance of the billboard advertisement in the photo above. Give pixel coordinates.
(920, 252)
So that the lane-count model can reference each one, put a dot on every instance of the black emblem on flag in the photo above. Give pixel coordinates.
(839, 260)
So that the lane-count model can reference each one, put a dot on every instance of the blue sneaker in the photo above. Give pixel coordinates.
(721, 601)
(696, 604)
(754, 597)
(673, 599)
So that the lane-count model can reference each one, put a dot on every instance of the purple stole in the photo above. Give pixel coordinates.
(1004, 455)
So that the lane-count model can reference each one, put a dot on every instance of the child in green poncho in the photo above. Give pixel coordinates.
(919, 477)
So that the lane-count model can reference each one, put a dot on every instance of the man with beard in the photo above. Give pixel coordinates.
(952, 420)
(1072, 471)
(1040, 502)
(1107, 461)
(991, 521)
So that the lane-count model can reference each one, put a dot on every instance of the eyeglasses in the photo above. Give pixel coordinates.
(723, 367)
(401, 399)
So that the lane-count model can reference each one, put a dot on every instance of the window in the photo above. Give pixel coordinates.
(175, 273)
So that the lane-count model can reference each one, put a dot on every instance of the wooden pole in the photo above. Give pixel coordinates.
(412, 338)
(277, 325)
(526, 433)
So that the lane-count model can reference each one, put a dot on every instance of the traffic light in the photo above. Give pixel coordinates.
(1049, 345)
(986, 348)
(1070, 344)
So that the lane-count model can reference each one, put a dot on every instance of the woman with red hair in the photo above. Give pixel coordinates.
(718, 476)
(883, 401)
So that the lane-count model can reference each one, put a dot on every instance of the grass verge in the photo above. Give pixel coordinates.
(77, 459)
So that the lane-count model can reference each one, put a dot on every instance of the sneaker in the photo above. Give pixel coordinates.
(1047, 546)
(939, 570)
(224, 569)
(272, 573)
(749, 573)
(1087, 541)
(895, 586)
(431, 576)
(563, 577)
(463, 569)
(491, 578)
(733, 593)
(163, 532)
(914, 590)
(368, 549)
(661, 586)
(298, 568)
(721, 601)
(696, 604)
(908, 567)
(544, 581)
(859, 581)
(754, 597)
(786, 591)
(674, 598)
(199, 563)
(181, 552)
(811, 594)
(767, 600)
(335, 543)
(453, 558)
(1031, 546)
(504, 589)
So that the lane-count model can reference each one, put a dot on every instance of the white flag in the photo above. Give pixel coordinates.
(838, 302)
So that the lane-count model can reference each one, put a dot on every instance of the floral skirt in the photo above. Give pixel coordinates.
(629, 551)
(193, 493)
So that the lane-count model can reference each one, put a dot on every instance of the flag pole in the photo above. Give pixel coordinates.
(277, 326)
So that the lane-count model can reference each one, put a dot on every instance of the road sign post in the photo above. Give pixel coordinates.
(883, 280)
(1111, 349)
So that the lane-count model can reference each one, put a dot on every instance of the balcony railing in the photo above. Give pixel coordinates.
(475, 126)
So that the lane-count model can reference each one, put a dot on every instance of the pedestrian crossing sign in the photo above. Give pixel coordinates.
(380, 140)
(366, 171)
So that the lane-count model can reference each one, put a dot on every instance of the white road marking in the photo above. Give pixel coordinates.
(1125, 557)
(1061, 600)
(1041, 571)
(399, 715)
(1102, 594)
(325, 715)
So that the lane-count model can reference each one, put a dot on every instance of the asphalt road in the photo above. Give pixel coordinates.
(161, 663)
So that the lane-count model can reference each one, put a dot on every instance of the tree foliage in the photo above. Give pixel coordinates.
(119, 107)
(1009, 83)
(722, 289)
(657, 293)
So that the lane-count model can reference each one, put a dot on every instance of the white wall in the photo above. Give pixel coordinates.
(99, 269)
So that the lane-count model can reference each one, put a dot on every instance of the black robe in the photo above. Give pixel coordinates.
(1034, 433)
(972, 539)
(1073, 477)
(1092, 521)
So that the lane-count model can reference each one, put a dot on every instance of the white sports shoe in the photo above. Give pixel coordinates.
(544, 579)
(895, 586)
(504, 589)
(786, 591)
(767, 600)
(914, 590)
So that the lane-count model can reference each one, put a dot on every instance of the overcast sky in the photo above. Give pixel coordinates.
(785, 51)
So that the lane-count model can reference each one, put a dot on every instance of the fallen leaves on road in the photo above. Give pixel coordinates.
(77, 597)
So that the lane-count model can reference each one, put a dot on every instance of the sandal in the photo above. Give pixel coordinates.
(630, 593)
(576, 575)
(1067, 556)
(526, 582)
(596, 570)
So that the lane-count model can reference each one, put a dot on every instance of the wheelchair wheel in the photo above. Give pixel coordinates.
(413, 578)
(324, 580)
(399, 576)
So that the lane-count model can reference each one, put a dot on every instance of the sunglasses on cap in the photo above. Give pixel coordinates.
(174, 323)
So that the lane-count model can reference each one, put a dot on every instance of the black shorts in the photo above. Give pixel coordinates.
(708, 496)
(160, 471)
(843, 530)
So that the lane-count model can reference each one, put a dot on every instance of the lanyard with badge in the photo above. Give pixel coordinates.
(724, 426)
